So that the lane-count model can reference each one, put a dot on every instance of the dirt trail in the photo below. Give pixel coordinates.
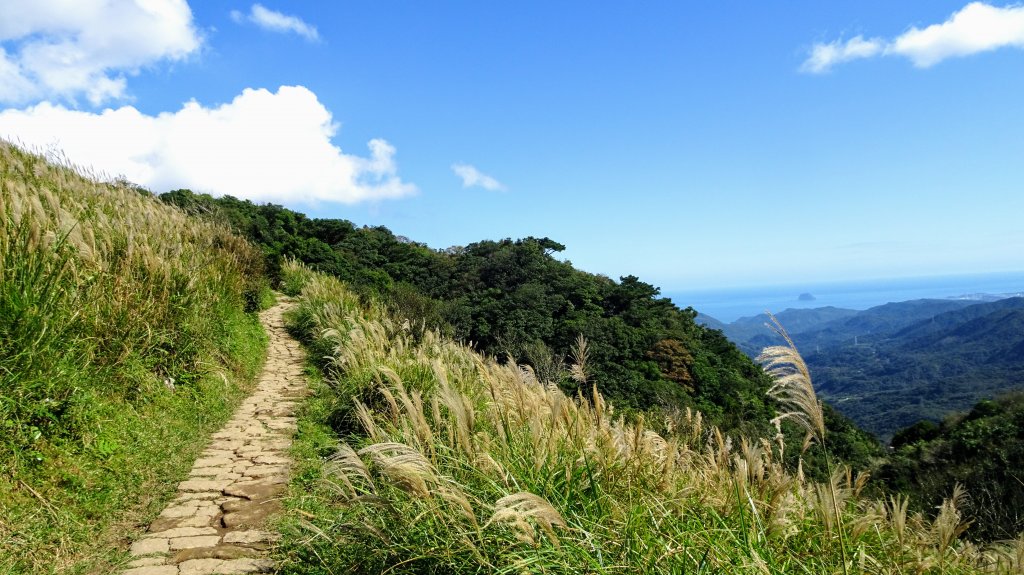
(213, 525)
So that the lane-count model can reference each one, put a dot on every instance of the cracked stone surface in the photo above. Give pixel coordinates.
(213, 525)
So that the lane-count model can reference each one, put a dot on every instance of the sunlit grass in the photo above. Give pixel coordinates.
(123, 335)
(447, 461)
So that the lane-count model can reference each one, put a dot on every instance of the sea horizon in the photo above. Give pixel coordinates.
(730, 304)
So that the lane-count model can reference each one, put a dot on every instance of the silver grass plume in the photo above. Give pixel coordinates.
(792, 385)
(515, 509)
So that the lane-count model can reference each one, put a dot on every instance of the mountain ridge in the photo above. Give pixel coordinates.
(923, 358)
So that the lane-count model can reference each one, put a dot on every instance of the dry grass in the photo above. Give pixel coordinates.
(113, 309)
(454, 462)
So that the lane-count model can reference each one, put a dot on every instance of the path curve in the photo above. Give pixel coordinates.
(213, 524)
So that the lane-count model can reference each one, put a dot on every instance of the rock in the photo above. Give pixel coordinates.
(203, 485)
(258, 490)
(254, 514)
(259, 471)
(153, 570)
(149, 546)
(198, 521)
(253, 536)
(218, 552)
(272, 460)
(212, 461)
(164, 523)
(192, 542)
(183, 532)
(148, 561)
(225, 567)
(183, 510)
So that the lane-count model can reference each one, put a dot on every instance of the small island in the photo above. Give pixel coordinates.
(806, 297)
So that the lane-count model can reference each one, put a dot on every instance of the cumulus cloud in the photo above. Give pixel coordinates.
(472, 177)
(977, 27)
(65, 50)
(276, 22)
(264, 146)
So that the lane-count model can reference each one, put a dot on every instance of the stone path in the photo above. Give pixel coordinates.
(213, 525)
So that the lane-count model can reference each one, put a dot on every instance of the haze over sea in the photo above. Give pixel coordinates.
(730, 304)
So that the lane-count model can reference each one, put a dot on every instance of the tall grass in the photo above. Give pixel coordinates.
(100, 280)
(111, 304)
(449, 462)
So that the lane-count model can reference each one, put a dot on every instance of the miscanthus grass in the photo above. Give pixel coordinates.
(122, 333)
(421, 456)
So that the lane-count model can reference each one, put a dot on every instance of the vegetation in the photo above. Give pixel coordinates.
(921, 359)
(123, 336)
(515, 301)
(460, 423)
(982, 450)
(929, 370)
(442, 460)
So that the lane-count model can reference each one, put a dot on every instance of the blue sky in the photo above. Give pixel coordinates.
(694, 145)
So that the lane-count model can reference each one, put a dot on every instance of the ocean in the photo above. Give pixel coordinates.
(730, 304)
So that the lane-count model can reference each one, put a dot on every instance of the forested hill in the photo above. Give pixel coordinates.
(982, 449)
(921, 359)
(515, 299)
(939, 365)
(826, 327)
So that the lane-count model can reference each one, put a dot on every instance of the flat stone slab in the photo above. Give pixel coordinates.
(218, 552)
(272, 460)
(254, 514)
(147, 561)
(225, 567)
(212, 461)
(204, 485)
(258, 490)
(251, 536)
(259, 471)
(153, 570)
(181, 510)
(192, 542)
(183, 532)
(149, 547)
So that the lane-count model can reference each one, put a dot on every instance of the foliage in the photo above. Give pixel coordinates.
(514, 300)
(446, 461)
(921, 359)
(983, 450)
(123, 333)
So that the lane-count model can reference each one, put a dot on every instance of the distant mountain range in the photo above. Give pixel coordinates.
(890, 366)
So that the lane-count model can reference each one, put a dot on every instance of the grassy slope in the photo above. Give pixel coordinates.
(107, 297)
(442, 461)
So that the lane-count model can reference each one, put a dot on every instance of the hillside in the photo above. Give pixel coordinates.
(461, 423)
(922, 359)
(982, 449)
(514, 300)
(829, 326)
(124, 336)
(927, 370)
(422, 456)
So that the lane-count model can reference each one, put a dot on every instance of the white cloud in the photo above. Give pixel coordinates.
(472, 177)
(276, 22)
(60, 49)
(824, 56)
(977, 27)
(263, 146)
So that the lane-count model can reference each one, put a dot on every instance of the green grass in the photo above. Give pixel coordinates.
(79, 507)
(124, 341)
